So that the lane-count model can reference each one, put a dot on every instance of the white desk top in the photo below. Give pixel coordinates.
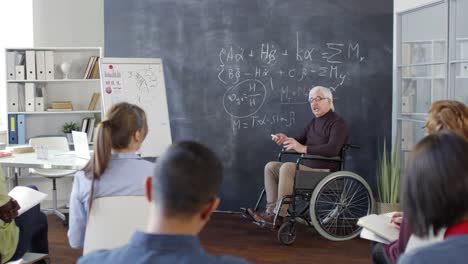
(57, 160)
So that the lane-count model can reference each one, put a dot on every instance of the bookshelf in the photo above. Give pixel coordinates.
(39, 77)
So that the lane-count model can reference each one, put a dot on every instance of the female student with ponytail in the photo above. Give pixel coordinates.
(115, 168)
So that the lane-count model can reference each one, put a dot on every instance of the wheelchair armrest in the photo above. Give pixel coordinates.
(318, 157)
(287, 152)
(352, 146)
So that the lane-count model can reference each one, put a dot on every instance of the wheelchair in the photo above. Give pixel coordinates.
(331, 202)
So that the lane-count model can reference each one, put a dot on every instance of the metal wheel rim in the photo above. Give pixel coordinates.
(336, 205)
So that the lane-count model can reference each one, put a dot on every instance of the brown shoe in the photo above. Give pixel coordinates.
(261, 216)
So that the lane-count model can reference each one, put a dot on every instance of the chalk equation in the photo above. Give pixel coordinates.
(273, 75)
(255, 121)
(245, 98)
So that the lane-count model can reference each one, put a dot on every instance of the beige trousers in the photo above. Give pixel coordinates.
(279, 182)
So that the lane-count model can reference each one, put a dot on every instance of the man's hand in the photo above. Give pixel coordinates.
(9, 211)
(292, 144)
(279, 138)
(396, 219)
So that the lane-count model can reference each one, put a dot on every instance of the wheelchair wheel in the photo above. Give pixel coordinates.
(287, 233)
(337, 202)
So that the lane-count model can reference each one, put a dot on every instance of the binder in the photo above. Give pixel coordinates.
(12, 95)
(39, 104)
(90, 130)
(19, 72)
(10, 60)
(30, 94)
(49, 65)
(40, 65)
(30, 65)
(84, 125)
(21, 129)
(21, 98)
(12, 131)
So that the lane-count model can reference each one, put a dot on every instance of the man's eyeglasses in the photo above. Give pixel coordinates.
(317, 99)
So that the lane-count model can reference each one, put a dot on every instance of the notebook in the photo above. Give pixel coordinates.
(380, 225)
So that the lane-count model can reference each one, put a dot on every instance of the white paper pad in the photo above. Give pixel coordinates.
(26, 197)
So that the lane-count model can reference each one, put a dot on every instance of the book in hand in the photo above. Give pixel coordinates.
(380, 226)
(26, 198)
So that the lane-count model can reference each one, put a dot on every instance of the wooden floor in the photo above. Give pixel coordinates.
(233, 235)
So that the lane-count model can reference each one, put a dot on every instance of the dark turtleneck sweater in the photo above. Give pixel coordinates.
(324, 136)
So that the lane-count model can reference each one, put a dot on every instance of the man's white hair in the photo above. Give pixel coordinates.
(326, 92)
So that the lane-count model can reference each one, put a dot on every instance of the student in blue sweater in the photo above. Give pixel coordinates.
(183, 195)
(435, 196)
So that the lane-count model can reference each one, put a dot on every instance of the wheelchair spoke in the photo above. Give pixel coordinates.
(339, 205)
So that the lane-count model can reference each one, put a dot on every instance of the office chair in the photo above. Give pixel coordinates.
(52, 143)
(112, 221)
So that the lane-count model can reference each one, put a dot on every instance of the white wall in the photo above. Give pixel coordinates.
(65, 23)
(68, 23)
(16, 29)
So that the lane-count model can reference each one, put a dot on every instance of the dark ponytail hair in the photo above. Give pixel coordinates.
(123, 120)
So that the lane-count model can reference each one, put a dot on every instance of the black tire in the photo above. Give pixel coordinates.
(287, 233)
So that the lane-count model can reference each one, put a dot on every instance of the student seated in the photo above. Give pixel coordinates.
(444, 115)
(182, 192)
(115, 168)
(434, 196)
(20, 234)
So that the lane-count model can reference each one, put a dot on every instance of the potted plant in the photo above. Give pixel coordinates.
(388, 181)
(68, 127)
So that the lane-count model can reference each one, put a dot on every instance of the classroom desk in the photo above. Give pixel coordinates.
(56, 160)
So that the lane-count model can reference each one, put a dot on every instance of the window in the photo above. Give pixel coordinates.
(16, 29)
(432, 64)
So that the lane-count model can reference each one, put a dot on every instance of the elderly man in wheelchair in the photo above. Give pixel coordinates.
(313, 189)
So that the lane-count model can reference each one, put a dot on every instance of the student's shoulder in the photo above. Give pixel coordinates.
(229, 260)
(101, 256)
(145, 163)
(435, 253)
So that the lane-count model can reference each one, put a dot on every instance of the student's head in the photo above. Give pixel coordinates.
(125, 128)
(448, 115)
(185, 182)
(435, 186)
(321, 100)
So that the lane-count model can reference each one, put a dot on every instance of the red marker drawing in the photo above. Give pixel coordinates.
(108, 90)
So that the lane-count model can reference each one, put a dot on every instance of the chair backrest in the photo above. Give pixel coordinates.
(52, 143)
(113, 220)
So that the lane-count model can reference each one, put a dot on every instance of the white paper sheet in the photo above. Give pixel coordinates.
(26, 197)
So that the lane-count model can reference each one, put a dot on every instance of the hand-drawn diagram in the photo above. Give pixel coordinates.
(245, 98)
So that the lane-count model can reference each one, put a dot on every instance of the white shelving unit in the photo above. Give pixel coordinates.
(75, 88)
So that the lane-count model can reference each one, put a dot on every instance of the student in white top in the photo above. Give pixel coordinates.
(115, 168)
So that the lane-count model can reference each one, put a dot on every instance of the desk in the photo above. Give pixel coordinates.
(57, 160)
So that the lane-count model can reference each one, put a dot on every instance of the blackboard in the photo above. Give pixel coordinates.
(237, 71)
(139, 81)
